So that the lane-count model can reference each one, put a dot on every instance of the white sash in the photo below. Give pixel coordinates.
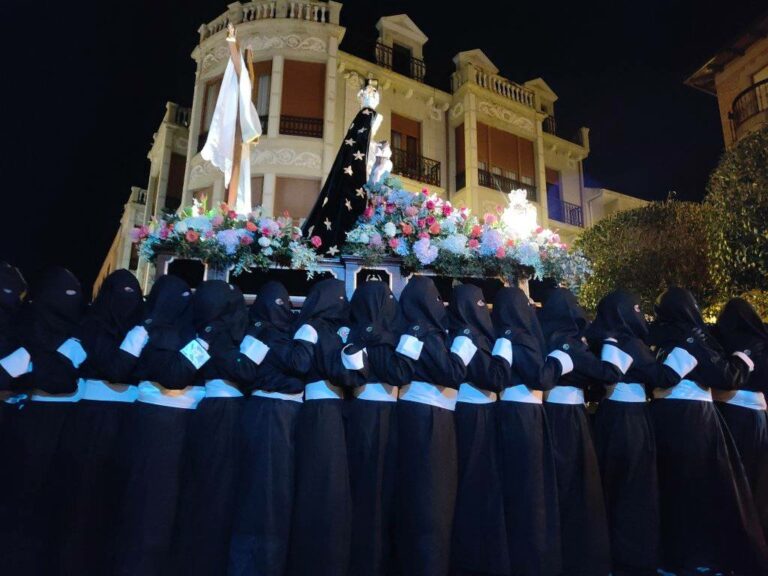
(377, 392)
(299, 397)
(322, 390)
(187, 398)
(626, 392)
(41, 396)
(103, 391)
(473, 395)
(685, 390)
(426, 393)
(219, 388)
(743, 398)
(522, 393)
(565, 395)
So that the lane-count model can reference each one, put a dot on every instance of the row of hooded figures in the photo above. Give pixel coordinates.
(186, 434)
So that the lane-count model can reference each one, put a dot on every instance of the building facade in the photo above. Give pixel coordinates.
(738, 76)
(472, 144)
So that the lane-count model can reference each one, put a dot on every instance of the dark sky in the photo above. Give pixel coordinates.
(85, 85)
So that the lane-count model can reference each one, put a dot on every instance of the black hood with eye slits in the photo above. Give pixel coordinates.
(469, 316)
(169, 319)
(374, 315)
(422, 308)
(326, 303)
(515, 318)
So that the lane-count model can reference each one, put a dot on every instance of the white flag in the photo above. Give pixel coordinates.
(219, 147)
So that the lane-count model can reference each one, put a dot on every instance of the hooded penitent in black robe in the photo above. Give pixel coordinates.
(624, 437)
(12, 290)
(343, 199)
(740, 328)
(49, 320)
(583, 520)
(94, 464)
(265, 487)
(157, 432)
(321, 531)
(372, 428)
(427, 471)
(532, 512)
(212, 450)
(479, 530)
(708, 516)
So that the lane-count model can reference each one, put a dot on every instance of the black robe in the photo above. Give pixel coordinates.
(371, 431)
(531, 508)
(265, 487)
(740, 328)
(321, 531)
(583, 519)
(427, 471)
(343, 198)
(479, 528)
(93, 461)
(156, 436)
(49, 318)
(708, 516)
(213, 443)
(12, 291)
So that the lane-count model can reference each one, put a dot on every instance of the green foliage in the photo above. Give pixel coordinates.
(646, 250)
(738, 230)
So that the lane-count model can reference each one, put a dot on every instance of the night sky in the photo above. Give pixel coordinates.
(85, 85)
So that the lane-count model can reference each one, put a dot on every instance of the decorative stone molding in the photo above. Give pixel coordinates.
(285, 157)
(292, 41)
(215, 56)
(436, 112)
(458, 110)
(507, 116)
(202, 168)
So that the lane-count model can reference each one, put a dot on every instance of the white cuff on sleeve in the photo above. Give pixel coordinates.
(17, 362)
(353, 361)
(196, 353)
(135, 340)
(254, 349)
(306, 333)
(747, 360)
(565, 361)
(681, 361)
(410, 346)
(614, 355)
(464, 348)
(74, 351)
(503, 348)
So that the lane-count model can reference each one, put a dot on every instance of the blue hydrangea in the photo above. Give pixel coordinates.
(491, 241)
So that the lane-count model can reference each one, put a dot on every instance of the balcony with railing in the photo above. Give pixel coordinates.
(749, 108)
(471, 74)
(505, 184)
(566, 212)
(309, 11)
(406, 65)
(416, 167)
(300, 126)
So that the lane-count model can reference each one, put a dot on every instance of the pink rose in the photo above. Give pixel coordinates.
(368, 213)
(231, 214)
(425, 191)
(407, 228)
(394, 243)
(500, 252)
(434, 228)
(192, 236)
(246, 240)
(316, 241)
(430, 220)
(430, 205)
(489, 219)
(423, 235)
(476, 231)
(539, 230)
(389, 209)
(251, 227)
(447, 209)
(422, 222)
(411, 211)
(265, 231)
(474, 244)
(217, 221)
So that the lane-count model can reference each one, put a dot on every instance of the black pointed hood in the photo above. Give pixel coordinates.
(327, 303)
(562, 318)
(118, 307)
(469, 316)
(169, 319)
(515, 318)
(618, 316)
(271, 312)
(219, 313)
(374, 315)
(740, 328)
(422, 308)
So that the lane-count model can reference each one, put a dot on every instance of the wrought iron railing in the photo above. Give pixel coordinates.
(549, 125)
(749, 103)
(505, 184)
(413, 68)
(566, 212)
(300, 126)
(416, 167)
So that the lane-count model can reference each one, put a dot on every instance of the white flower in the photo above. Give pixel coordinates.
(198, 223)
(425, 252)
(390, 229)
(363, 238)
(264, 242)
(455, 244)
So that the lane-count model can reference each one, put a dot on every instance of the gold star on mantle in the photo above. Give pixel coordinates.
(366, 112)
(348, 170)
(348, 204)
(325, 200)
(333, 250)
(358, 155)
(349, 142)
(360, 192)
(361, 130)
(328, 224)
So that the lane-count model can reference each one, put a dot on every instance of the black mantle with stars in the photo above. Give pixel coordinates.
(343, 198)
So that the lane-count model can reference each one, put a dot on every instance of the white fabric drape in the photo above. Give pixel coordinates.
(234, 97)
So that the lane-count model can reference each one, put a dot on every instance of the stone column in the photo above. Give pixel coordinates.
(268, 194)
(275, 95)
(329, 112)
(541, 175)
(195, 114)
(470, 151)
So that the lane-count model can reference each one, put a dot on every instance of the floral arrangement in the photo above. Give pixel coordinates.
(221, 238)
(429, 232)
